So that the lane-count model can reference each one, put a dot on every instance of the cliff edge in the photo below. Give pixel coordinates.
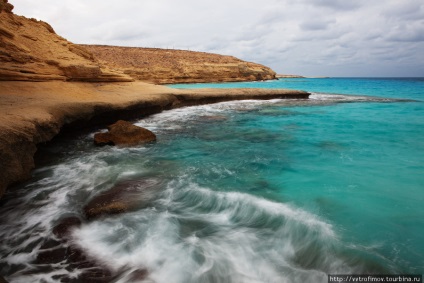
(30, 50)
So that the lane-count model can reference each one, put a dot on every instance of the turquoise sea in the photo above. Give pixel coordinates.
(245, 191)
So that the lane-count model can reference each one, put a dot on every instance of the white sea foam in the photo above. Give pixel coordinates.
(27, 221)
(175, 119)
(331, 97)
(194, 234)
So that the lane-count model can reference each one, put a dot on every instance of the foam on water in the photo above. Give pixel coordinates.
(174, 120)
(195, 234)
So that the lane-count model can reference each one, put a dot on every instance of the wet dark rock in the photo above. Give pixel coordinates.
(139, 275)
(52, 252)
(2, 280)
(123, 197)
(65, 252)
(78, 258)
(50, 256)
(63, 229)
(94, 275)
(123, 133)
(50, 244)
(92, 271)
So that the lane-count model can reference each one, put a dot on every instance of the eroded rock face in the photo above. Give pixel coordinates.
(164, 66)
(123, 133)
(5, 6)
(123, 197)
(30, 50)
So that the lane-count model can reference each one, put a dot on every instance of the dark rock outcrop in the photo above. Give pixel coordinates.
(124, 197)
(53, 252)
(63, 229)
(123, 133)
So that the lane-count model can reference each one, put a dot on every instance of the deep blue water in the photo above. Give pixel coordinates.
(253, 191)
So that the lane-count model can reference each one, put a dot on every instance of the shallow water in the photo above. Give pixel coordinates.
(252, 191)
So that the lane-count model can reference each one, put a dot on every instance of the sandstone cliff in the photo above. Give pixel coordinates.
(164, 66)
(30, 50)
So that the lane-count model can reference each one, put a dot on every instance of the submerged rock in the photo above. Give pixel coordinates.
(63, 229)
(65, 252)
(123, 133)
(53, 255)
(124, 197)
(139, 275)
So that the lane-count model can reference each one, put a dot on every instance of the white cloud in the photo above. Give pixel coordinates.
(310, 37)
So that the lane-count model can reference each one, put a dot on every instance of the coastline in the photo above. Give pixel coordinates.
(35, 112)
(49, 84)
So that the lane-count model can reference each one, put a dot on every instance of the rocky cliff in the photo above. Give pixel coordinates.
(30, 50)
(164, 66)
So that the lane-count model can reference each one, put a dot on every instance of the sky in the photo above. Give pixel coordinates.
(361, 38)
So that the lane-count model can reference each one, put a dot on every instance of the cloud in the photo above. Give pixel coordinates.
(316, 24)
(334, 4)
(310, 37)
(408, 10)
(407, 35)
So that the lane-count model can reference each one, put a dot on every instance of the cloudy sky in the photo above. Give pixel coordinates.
(307, 37)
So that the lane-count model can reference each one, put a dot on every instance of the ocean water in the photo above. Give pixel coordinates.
(246, 191)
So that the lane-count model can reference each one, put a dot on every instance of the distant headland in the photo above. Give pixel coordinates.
(281, 76)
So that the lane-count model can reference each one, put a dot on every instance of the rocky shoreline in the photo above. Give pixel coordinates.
(34, 113)
(49, 86)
